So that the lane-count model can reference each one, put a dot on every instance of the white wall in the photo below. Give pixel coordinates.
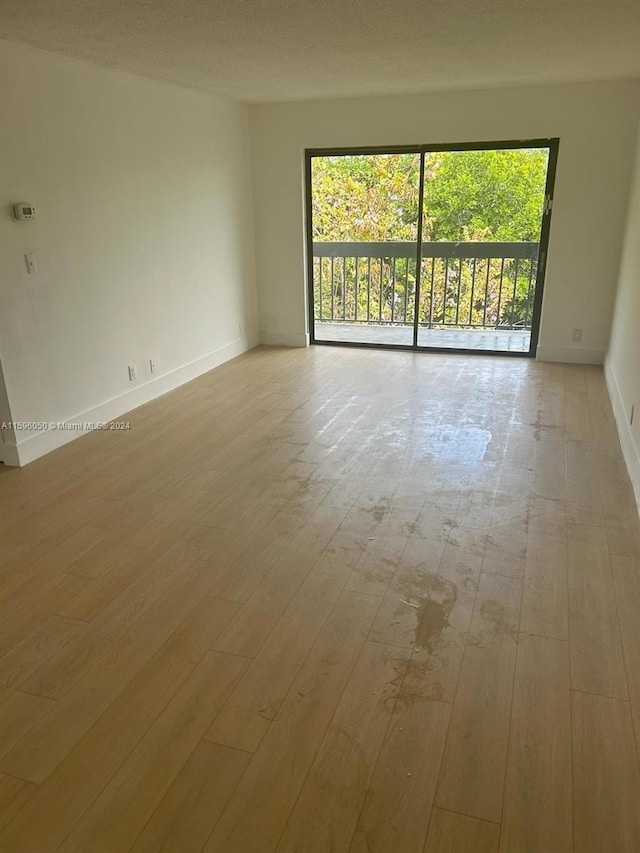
(596, 125)
(623, 358)
(143, 237)
(8, 449)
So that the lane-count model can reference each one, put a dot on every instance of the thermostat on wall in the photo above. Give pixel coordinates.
(23, 210)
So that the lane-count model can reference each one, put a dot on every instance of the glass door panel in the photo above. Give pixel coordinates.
(364, 224)
(483, 213)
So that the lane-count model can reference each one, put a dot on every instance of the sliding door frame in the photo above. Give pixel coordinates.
(551, 144)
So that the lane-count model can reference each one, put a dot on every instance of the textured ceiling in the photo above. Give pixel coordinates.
(268, 50)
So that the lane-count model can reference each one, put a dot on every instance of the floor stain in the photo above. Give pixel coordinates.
(419, 682)
(495, 614)
(393, 688)
(432, 620)
(472, 638)
(430, 599)
(515, 550)
(374, 576)
(434, 610)
(413, 682)
(268, 713)
(380, 510)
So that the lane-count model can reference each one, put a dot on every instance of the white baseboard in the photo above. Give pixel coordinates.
(630, 451)
(39, 443)
(570, 355)
(285, 339)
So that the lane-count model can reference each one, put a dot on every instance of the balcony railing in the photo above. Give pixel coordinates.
(462, 285)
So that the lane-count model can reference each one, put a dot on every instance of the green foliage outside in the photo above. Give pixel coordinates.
(367, 197)
(470, 196)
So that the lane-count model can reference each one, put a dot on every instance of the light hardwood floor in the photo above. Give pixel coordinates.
(327, 600)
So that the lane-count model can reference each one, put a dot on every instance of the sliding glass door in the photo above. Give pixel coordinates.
(429, 248)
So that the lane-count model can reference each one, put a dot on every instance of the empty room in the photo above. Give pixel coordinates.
(319, 427)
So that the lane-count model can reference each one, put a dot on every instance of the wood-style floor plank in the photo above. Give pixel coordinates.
(606, 778)
(450, 832)
(584, 496)
(65, 795)
(19, 713)
(28, 610)
(537, 812)
(626, 576)
(545, 604)
(256, 700)
(115, 818)
(249, 560)
(597, 664)
(55, 677)
(395, 814)
(43, 643)
(258, 810)
(550, 469)
(73, 547)
(473, 766)
(48, 742)
(14, 793)
(193, 804)
(398, 565)
(269, 601)
(326, 812)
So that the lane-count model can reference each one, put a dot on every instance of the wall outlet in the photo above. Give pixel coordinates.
(153, 365)
(274, 320)
(263, 336)
(32, 262)
(132, 373)
(577, 336)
